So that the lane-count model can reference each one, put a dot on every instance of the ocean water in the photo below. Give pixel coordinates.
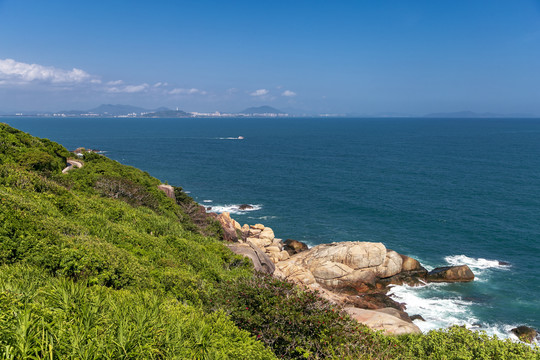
(444, 191)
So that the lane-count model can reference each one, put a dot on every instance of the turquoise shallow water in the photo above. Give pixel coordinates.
(445, 191)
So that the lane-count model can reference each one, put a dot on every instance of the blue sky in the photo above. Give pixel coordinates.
(365, 57)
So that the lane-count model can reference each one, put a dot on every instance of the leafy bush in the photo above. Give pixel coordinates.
(459, 343)
(125, 190)
(297, 323)
(44, 317)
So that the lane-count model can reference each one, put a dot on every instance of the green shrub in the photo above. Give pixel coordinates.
(60, 319)
(297, 323)
(459, 343)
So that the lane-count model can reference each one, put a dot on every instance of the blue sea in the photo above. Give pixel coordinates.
(444, 191)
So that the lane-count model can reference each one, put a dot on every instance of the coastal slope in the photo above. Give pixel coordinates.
(101, 263)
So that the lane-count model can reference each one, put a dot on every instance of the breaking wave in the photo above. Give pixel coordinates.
(234, 209)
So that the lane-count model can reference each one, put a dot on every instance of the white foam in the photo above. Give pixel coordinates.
(267, 217)
(440, 311)
(478, 263)
(233, 209)
(479, 266)
(207, 201)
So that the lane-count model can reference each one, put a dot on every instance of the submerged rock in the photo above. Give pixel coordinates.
(417, 317)
(245, 207)
(525, 333)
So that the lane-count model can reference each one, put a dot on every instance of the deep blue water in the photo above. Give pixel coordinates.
(440, 190)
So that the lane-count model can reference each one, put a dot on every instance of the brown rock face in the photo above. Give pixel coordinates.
(525, 333)
(229, 227)
(261, 262)
(168, 190)
(294, 246)
(460, 273)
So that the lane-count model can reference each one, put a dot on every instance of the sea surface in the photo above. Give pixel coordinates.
(444, 191)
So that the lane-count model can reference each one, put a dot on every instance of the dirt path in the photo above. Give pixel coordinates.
(71, 165)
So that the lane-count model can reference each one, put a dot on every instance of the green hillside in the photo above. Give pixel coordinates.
(98, 263)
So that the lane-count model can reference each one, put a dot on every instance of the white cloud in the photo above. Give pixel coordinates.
(130, 89)
(288, 93)
(159, 84)
(192, 91)
(260, 92)
(21, 73)
(115, 82)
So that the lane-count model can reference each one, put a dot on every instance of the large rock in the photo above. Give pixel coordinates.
(461, 273)
(391, 265)
(261, 262)
(525, 333)
(382, 321)
(395, 312)
(168, 190)
(229, 226)
(294, 246)
(412, 273)
(260, 243)
(410, 264)
(356, 255)
(267, 233)
(347, 264)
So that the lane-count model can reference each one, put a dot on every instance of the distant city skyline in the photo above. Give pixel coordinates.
(364, 57)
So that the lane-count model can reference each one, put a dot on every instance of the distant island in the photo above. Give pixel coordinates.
(130, 111)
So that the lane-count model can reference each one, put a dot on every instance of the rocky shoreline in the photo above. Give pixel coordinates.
(355, 275)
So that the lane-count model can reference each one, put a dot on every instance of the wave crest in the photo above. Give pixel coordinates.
(234, 209)
(478, 263)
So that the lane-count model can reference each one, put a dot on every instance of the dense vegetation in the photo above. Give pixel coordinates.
(100, 264)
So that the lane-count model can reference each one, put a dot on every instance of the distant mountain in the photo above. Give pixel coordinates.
(167, 114)
(471, 114)
(261, 110)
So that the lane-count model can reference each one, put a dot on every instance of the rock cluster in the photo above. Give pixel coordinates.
(258, 236)
(352, 274)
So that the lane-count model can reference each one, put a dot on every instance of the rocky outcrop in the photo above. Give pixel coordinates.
(261, 262)
(412, 273)
(355, 275)
(378, 320)
(525, 334)
(230, 227)
(461, 273)
(168, 190)
(336, 266)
